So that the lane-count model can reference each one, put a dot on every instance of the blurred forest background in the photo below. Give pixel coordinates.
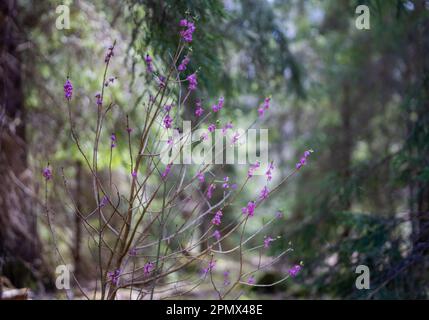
(358, 98)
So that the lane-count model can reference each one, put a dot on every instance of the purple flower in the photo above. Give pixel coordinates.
(149, 66)
(148, 268)
(134, 174)
(235, 138)
(226, 280)
(113, 140)
(249, 209)
(199, 110)
(68, 90)
(129, 130)
(265, 106)
(104, 201)
(226, 127)
(204, 136)
(279, 214)
(217, 218)
(225, 184)
(252, 169)
(99, 99)
(183, 64)
(167, 107)
(303, 161)
(109, 81)
(114, 276)
(251, 280)
(217, 107)
(210, 190)
(192, 82)
(187, 33)
(200, 176)
(212, 127)
(133, 252)
(267, 242)
(210, 267)
(109, 54)
(168, 121)
(269, 171)
(264, 193)
(166, 171)
(294, 270)
(47, 173)
(217, 235)
(161, 81)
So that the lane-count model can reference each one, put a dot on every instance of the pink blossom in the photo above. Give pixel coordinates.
(294, 270)
(225, 184)
(212, 127)
(200, 176)
(217, 235)
(303, 161)
(168, 121)
(148, 268)
(217, 107)
(252, 169)
(267, 242)
(199, 110)
(192, 82)
(166, 171)
(217, 218)
(210, 190)
(264, 193)
(47, 173)
(149, 66)
(249, 209)
(209, 268)
(183, 64)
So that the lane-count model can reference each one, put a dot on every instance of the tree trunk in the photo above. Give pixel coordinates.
(20, 254)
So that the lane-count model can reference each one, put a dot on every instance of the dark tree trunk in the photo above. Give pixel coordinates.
(20, 254)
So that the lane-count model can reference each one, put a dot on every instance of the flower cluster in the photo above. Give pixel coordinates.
(148, 61)
(267, 241)
(249, 209)
(253, 168)
(166, 171)
(148, 268)
(187, 33)
(225, 184)
(217, 107)
(113, 140)
(209, 268)
(183, 64)
(269, 172)
(68, 90)
(217, 235)
(109, 54)
(114, 276)
(265, 106)
(303, 161)
(168, 121)
(294, 270)
(47, 173)
(264, 193)
(200, 177)
(217, 218)
(99, 99)
(199, 109)
(210, 190)
(192, 82)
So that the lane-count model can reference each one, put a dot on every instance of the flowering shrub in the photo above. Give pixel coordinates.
(156, 230)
